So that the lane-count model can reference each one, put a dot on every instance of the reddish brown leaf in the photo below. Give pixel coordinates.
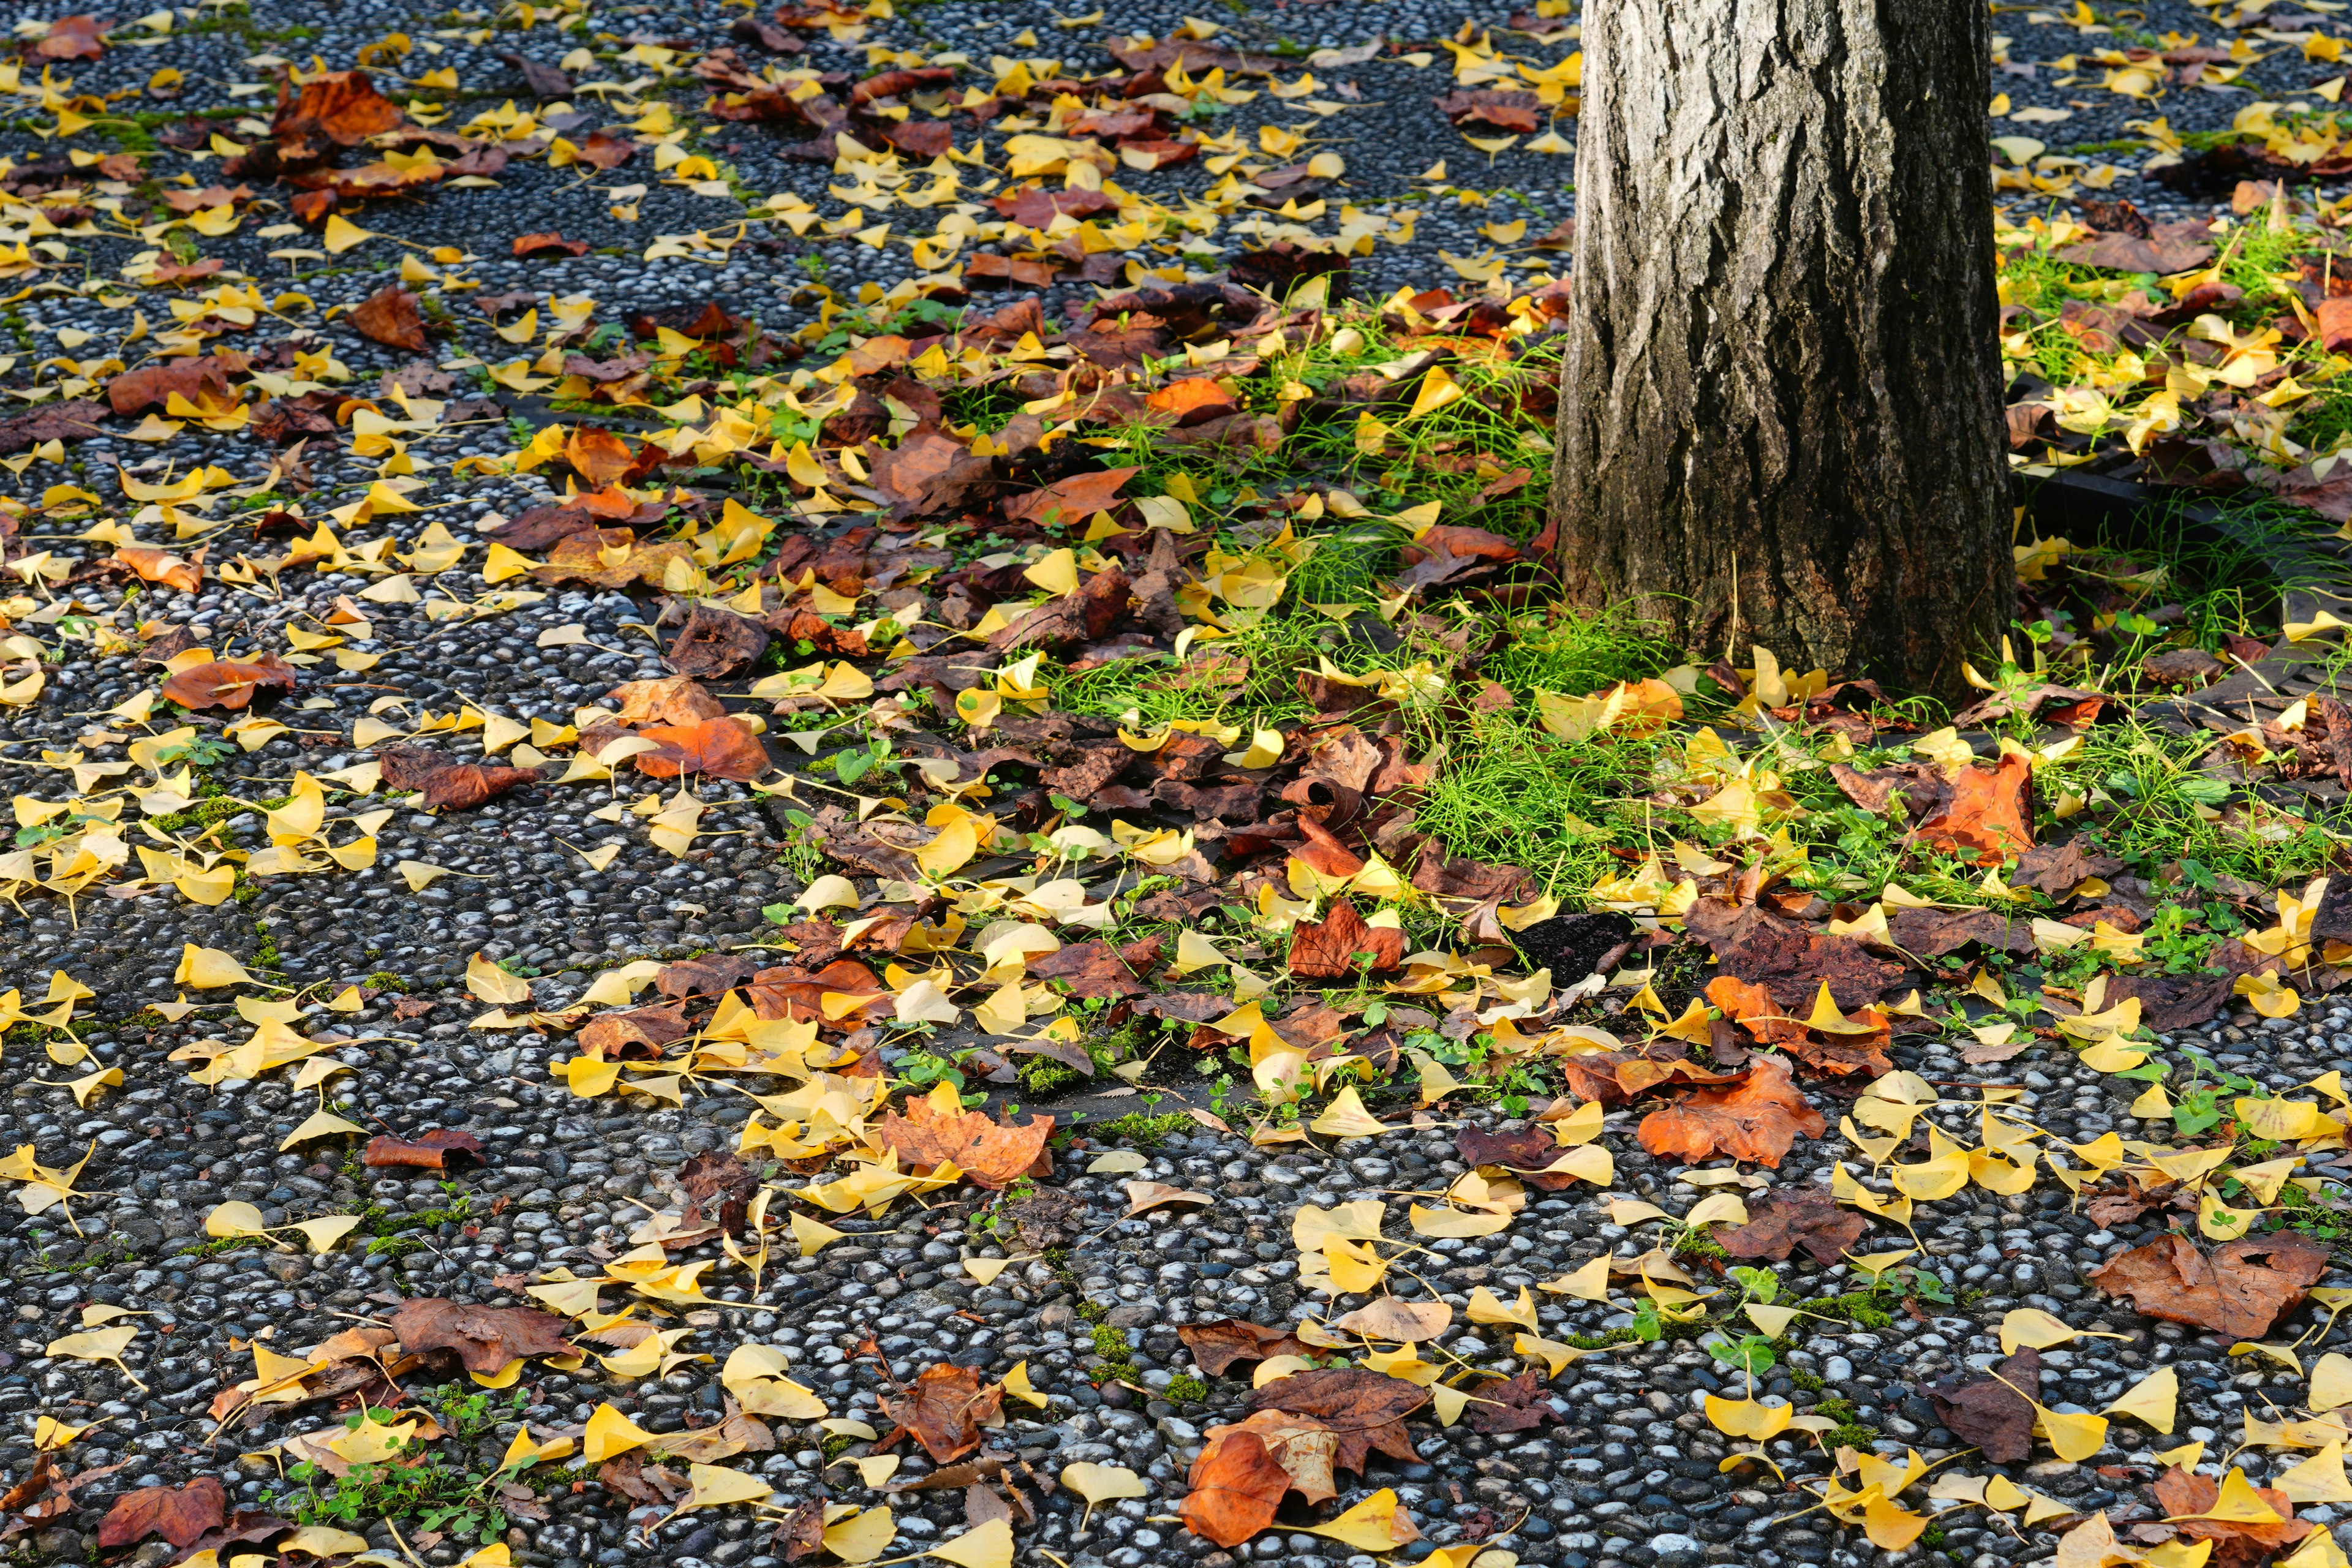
(1340, 945)
(1523, 1152)
(605, 151)
(722, 748)
(427, 1151)
(1367, 1409)
(445, 783)
(1789, 960)
(597, 456)
(163, 567)
(1504, 111)
(485, 1339)
(178, 1514)
(1217, 1345)
(1235, 1487)
(1987, 812)
(76, 37)
(677, 700)
(942, 1409)
(1193, 400)
(1755, 1120)
(150, 386)
(1788, 1217)
(2228, 1293)
(989, 1154)
(532, 247)
(639, 1032)
(718, 1191)
(801, 1533)
(229, 683)
(1510, 1404)
(342, 107)
(1993, 1410)
(390, 316)
(2236, 1544)
(706, 976)
(1072, 500)
(715, 643)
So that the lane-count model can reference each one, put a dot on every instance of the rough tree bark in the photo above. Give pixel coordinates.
(1780, 414)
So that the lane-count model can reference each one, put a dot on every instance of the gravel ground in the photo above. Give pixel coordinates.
(1628, 1474)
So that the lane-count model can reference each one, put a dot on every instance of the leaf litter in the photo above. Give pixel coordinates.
(1224, 581)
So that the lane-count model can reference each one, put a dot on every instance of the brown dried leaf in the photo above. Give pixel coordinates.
(1787, 1218)
(1987, 812)
(1510, 1404)
(2228, 1293)
(1367, 1409)
(941, 1409)
(676, 699)
(1236, 1485)
(390, 316)
(718, 1191)
(1336, 947)
(1523, 1151)
(720, 748)
(486, 1338)
(639, 1031)
(229, 683)
(427, 1151)
(1993, 1410)
(445, 783)
(179, 1514)
(715, 643)
(989, 1153)
(1756, 1120)
(1218, 1345)
(597, 456)
(2236, 1543)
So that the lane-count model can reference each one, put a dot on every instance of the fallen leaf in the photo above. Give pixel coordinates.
(390, 316)
(1784, 1218)
(1217, 1345)
(718, 1190)
(942, 1410)
(178, 1514)
(1235, 1487)
(445, 783)
(989, 1153)
(1367, 1409)
(2238, 1541)
(229, 683)
(1993, 1410)
(1509, 1404)
(1343, 946)
(721, 748)
(2228, 1293)
(1758, 1119)
(427, 1151)
(486, 1338)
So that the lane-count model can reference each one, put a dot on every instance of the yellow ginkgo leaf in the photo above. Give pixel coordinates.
(2238, 1503)
(2154, 1399)
(2319, 1479)
(610, 1433)
(1101, 1483)
(1375, 1524)
(988, 1545)
(861, 1537)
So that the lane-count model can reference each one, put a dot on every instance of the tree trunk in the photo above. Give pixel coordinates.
(1781, 414)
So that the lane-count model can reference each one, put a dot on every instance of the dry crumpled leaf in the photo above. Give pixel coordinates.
(1336, 947)
(229, 683)
(1987, 812)
(1217, 1345)
(1523, 1151)
(1788, 1217)
(718, 1192)
(1993, 1410)
(1509, 1404)
(2228, 1293)
(1235, 1485)
(446, 783)
(942, 1409)
(1367, 1409)
(486, 1338)
(425, 1152)
(391, 317)
(1302, 1445)
(721, 748)
(178, 1514)
(2237, 1542)
(1758, 1119)
(989, 1153)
